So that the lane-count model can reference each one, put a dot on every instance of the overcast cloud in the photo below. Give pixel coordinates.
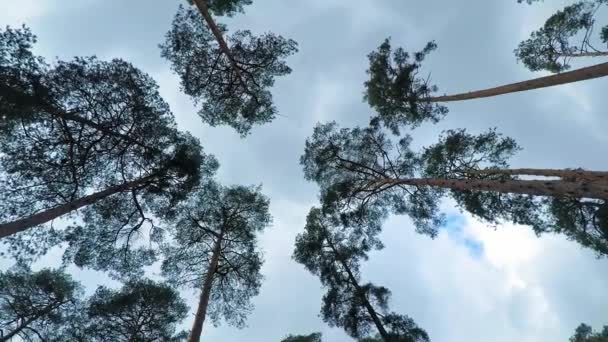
(472, 283)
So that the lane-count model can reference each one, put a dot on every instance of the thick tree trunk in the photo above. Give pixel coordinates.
(203, 302)
(370, 309)
(581, 74)
(586, 54)
(574, 174)
(552, 188)
(10, 228)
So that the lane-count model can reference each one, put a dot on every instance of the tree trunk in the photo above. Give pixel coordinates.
(581, 74)
(360, 292)
(552, 188)
(577, 174)
(586, 54)
(10, 228)
(203, 302)
(219, 37)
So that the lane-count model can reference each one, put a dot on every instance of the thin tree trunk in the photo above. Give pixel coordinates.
(219, 37)
(203, 302)
(360, 292)
(552, 188)
(577, 174)
(581, 74)
(10, 228)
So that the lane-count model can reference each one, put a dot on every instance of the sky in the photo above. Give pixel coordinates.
(472, 283)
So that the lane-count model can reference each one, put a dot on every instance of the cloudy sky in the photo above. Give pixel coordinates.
(473, 282)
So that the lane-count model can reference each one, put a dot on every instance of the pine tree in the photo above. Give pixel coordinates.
(585, 333)
(228, 76)
(333, 251)
(552, 47)
(362, 168)
(215, 251)
(140, 311)
(35, 303)
(400, 96)
(314, 337)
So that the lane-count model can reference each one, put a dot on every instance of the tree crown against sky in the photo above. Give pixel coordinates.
(36, 303)
(362, 168)
(226, 221)
(332, 248)
(567, 34)
(229, 87)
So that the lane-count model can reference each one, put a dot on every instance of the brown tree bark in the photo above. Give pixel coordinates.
(10, 228)
(587, 73)
(203, 302)
(552, 188)
(586, 54)
(575, 174)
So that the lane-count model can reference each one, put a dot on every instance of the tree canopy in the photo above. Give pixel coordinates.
(228, 78)
(34, 304)
(333, 249)
(314, 337)
(215, 250)
(362, 168)
(585, 333)
(555, 44)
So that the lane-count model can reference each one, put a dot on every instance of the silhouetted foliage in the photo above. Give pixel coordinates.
(551, 47)
(215, 250)
(585, 333)
(396, 90)
(333, 251)
(361, 168)
(230, 87)
(34, 304)
(314, 337)
(226, 7)
(140, 311)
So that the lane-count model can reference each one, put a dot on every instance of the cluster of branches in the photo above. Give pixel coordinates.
(48, 305)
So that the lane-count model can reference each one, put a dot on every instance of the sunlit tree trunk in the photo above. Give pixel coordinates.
(577, 75)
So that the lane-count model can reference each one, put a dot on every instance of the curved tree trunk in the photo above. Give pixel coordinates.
(581, 74)
(203, 302)
(10, 228)
(551, 188)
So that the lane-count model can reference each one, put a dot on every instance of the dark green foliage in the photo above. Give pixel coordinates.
(226, 7)
(83, 124)
(551, 47)
(333, 251)
(528, 1)
(604, 34)
(395, 89)
(581, 220)
(314, 337)
(233, 216)
(348, 163)
(239, 97)
(140, 311)
(34, 304)
(584, 333)
(87, 125)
